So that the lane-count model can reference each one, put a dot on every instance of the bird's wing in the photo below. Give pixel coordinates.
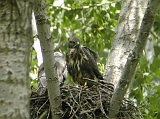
(61, 69)
(92, 53)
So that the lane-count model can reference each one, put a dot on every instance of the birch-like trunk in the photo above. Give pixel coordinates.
(44, 34)
(132, 55)
(15, 37)
(125, 38)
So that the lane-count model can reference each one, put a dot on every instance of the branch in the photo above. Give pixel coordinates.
(156, 36)
(125, 38)
(80, 8)
(48, 57)
(133, 58)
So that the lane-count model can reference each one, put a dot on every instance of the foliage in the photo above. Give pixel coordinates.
(33, 68)
(94, 22)
(146, 87)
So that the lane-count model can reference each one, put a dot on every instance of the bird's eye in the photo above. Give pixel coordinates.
(72, 42)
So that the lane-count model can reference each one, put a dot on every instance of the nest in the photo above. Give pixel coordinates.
(82, 103)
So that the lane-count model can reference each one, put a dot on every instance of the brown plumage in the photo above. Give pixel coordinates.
(82, 63)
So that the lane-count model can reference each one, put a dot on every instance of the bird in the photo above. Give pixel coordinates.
(82, 63)
(61, 72)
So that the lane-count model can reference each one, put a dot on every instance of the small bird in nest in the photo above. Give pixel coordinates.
(82, 63)
(61, 71)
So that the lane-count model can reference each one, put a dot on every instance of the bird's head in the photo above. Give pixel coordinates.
(74, 42)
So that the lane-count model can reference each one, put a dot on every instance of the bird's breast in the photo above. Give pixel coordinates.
(76, 58)
(72, 51)
(71, 62)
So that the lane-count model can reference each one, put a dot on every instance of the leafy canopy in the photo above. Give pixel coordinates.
(94, 22)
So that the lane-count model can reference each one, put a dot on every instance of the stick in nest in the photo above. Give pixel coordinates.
(102, 83)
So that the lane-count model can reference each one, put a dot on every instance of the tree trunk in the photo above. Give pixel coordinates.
(48, 57)
(133, 55)
(15, 37)
(129, 23)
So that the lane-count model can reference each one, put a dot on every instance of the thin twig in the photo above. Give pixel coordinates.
(80, 8)
(102, 109)
(42, 106)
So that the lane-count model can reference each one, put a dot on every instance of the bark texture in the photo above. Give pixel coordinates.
(133, 57)
(124, 42)
(49, 60)
(15, 37)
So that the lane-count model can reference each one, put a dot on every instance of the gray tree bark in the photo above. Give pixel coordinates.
(129, 23)
(48, 57)
(15, 37)
(133, 56)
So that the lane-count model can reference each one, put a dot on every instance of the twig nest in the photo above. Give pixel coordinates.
(82, 103)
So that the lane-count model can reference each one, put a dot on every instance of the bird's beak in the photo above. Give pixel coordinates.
(78, 44)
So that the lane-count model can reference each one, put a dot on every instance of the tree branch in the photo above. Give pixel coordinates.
(48, 57)
(133, 58)
(125, 38)
(80, 8)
